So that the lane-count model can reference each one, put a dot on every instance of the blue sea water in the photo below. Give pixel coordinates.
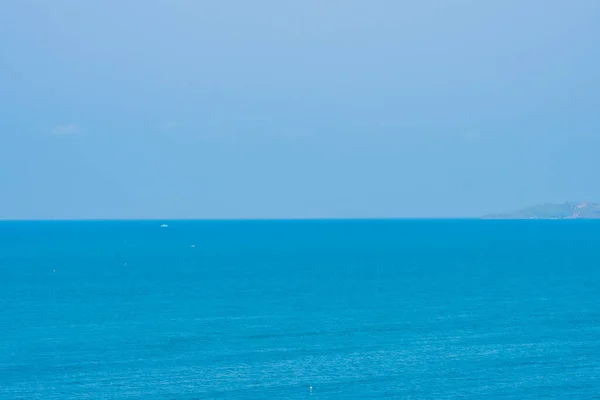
(414, 309)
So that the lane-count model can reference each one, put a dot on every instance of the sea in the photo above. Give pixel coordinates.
(323, 309)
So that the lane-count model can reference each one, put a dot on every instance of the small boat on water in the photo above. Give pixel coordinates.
(164, 226)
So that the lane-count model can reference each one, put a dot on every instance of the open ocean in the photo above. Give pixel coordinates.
(406, 309)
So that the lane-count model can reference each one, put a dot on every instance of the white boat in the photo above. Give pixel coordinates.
(164, 226)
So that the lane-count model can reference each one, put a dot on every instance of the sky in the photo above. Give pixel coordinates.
(296, 109)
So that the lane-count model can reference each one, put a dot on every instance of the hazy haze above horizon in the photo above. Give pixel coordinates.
(269, 109)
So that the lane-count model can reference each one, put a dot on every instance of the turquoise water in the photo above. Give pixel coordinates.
(257, 310)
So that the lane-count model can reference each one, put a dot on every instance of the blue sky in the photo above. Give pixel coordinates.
(275, 109)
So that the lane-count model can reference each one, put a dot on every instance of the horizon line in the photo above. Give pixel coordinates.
(239, 219)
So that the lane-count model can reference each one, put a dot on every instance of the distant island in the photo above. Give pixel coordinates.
(570, 210)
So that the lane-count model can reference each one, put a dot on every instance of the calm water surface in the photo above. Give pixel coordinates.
(257, 310)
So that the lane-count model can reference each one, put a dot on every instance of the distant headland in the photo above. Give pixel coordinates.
(569, 210)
